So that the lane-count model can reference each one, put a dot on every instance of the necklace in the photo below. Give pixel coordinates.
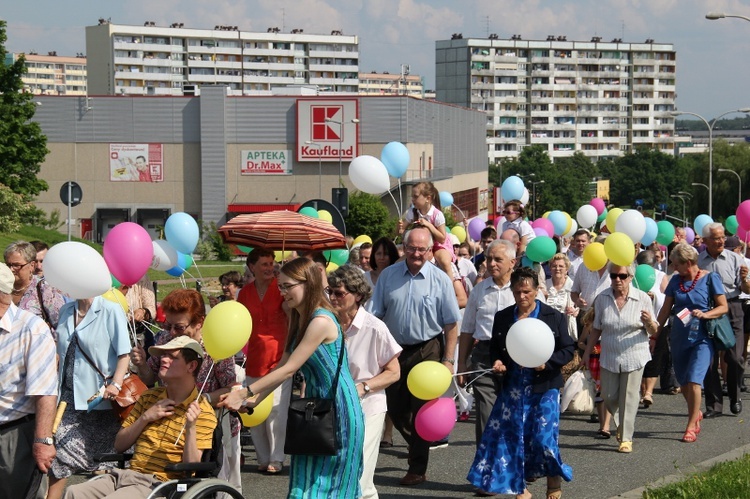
(21, 290)
(81, 313)
(692, 286)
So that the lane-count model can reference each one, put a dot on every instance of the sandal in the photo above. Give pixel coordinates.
(603, 435)
(647, 400)
(275, 468)
(384, 444)
(626, 447)
(690, 436)
(554, 493)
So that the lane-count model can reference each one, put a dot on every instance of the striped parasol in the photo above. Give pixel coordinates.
(282, 230)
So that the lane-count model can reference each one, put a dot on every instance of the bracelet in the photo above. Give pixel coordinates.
(446, 359)
(117, 385)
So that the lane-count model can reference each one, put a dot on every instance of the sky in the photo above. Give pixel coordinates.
(713, 63)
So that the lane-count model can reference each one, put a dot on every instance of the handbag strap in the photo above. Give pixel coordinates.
(88, 359)
(45, 314)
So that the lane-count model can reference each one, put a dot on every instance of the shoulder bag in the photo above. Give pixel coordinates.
(311, 427)
(719, 329)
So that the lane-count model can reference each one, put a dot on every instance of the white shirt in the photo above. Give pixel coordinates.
(588, 284)
(485, 300)
(575, 263)
(467, 269)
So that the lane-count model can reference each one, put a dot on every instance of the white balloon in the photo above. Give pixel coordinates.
(573, 229)
(632, 223)
(586, 216)
(165, 256)
(368, 174)
(77, 270)
(525, 198)
(530, 342)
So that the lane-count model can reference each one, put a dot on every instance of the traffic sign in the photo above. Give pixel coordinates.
(71, 192)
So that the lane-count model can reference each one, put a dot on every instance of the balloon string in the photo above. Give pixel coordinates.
(473, 372)
(203, 387)
(400, 197)
(394, 200)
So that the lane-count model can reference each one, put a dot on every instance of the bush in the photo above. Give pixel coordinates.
(368, 215)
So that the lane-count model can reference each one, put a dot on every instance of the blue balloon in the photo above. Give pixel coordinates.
(182, 232)
(559, 222)
(512, 188)
(176, 271)
(527, 262)
(446, 199)
(652, 230)
(395, 157)
(700, 222)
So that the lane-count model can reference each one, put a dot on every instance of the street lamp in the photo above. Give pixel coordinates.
(681, 198)
(713, 16)
(710, 127)
(739, 184)
(533, 196)
(320, 166)
(702, 185)
(341, 138)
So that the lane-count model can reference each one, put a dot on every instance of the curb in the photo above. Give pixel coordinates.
(677, 477)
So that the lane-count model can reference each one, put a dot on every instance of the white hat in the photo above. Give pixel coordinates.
(7, 279)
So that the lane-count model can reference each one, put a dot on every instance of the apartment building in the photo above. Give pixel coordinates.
(52, 74)
(177, 60)
(600, 98)
(402, 83)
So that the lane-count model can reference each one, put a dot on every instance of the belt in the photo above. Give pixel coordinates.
(734, 298)
(417, 345)
(12, 424)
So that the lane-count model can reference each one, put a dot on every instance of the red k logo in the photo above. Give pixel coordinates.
(321, 129)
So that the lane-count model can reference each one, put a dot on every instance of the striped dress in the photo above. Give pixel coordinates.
(331, 476)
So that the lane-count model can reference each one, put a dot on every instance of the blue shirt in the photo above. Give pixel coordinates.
(416, 308)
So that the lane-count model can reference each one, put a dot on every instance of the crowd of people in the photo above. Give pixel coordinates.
(390, 308)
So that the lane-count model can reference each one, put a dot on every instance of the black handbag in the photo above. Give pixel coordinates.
(720, 329)
(311, 426)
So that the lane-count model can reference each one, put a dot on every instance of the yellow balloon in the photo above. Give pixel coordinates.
(546, 214)
(612, 217)
(325, 215)
(260, 413)
(569, 225)
(116, 296)
(619, 249)
(459, 232)
(226, 329)
(594, 257)
(428, 380)
(361, 240)
(331, 267)
(280, 256)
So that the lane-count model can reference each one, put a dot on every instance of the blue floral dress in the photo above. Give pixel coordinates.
(520, 441)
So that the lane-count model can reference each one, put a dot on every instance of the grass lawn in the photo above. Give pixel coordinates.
(728, 480)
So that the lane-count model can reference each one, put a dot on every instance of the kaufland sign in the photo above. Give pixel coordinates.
(325, 130)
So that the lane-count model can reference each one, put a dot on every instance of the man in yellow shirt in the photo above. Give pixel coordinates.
(155, 423)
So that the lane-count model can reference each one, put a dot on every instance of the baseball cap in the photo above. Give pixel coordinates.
(7, 280)
(732, 242)
(177, 343)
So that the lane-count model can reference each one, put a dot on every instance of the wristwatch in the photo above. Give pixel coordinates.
(45, 441)
(366, 387)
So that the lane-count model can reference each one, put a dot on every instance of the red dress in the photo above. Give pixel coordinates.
(266, 344)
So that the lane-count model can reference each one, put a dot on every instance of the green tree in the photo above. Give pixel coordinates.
(23, 146)
(368, 215)
(13, 208)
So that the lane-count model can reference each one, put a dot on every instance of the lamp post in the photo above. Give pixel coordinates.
(681, 198)
(739, 183)
(341, 138)
(320, 167)
(710, 127)
(713, 16)
(533, 196)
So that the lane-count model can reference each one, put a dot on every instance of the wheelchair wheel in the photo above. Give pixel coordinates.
(209, 488)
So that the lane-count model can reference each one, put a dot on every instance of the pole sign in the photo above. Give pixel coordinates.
(71, 193)
(328, 125)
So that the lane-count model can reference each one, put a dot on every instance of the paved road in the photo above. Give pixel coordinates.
(599, 470)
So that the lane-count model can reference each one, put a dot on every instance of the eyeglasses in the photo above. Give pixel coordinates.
(177, 328)
(508, 212)
(416, 249)
(284, 288)
(622, 277)
(17, 266)
(337, 293)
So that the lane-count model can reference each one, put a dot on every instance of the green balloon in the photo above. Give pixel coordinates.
(645, 277)
(731, 224)
(665, 233)
(541, 249)
(115, 282)
(309, 211)
(244, 249)
(189, 261)
(602, 217)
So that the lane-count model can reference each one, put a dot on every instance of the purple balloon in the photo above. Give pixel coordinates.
(544, 224)
(476, 226)
(539, 231)
(689, 235)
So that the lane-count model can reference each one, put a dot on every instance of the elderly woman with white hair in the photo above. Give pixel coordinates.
(623, 314)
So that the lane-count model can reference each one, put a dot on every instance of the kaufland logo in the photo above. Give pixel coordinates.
(327, 130)
(323, 130)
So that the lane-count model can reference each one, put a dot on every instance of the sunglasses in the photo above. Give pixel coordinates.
(337, 293)
(508, 212)
(622, 277)
(177, 328)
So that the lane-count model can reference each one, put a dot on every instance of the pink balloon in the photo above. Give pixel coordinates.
(545, 224)
(497, 221)
(436, 419)
(743, 234)
(598, 203)
(128, 251)
(743, 214)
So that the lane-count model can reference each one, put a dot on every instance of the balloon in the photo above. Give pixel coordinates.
(546, 214)
(309, 211)
(619, 249)
(594, 257)
(428, 380)
(368, 174)
(541, 249)
(539, 232)
(244, 249)
(645, 277)
(77, 270)
(558, 221)
(544, 224)
(665, 234)
(586, 216)
(602, 216)
(361, 240)
(476, 226)
(651, 231)
(226, 329)
(446, 199)
(337, 256)
(573, 228)
(325, 215)
(176, 271)
(632, 223)
(115, 282)
(743, 214)
(611, 220)
(128, 251)
(568, 223)
(331, 267)
(435, 420)
(260, 413)
(689, 235)
(395, 157)
(182, 232)
(731, 224)
(115, 296)
(530, 342)
(700, 222)
(512, 188)
(527, 262)
(459, 232)
(165, 256)
(599, 205)
(280, 256)
(525, 197)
